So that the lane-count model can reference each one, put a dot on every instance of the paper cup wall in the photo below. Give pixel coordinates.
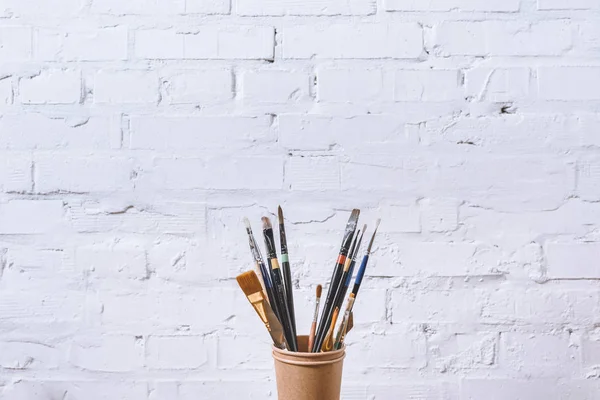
(308, 376)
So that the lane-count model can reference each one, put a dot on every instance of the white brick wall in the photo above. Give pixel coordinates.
(135, 135)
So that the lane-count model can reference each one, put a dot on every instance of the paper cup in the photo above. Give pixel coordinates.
(308, 376)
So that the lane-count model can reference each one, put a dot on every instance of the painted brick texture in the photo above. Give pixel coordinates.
(135, 136)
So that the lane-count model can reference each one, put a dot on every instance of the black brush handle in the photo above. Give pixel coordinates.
(284, 311)
(328, 307)
(269, 286)
(289, 290)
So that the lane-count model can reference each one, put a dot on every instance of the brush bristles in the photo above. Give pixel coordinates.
(247, 223)
(266, 223)
(249, 283)
(377, 223)
(319, 291)
(280, 214)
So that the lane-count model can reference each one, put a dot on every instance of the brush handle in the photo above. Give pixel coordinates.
(339, 341)
(328, 307)
(360, 275)
(289, 290)
(328, 342)
(283, 310)
(269, 287)
(311, 336)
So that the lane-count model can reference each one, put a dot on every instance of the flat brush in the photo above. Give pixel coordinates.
(335, 281)
(279, 289)
(285, 268)
(313, 326)
(250, 284)
(262, 269)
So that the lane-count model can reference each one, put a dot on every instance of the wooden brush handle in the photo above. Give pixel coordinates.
(328, 342)
(311, 336)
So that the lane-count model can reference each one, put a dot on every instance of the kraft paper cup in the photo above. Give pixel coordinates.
(308, 376)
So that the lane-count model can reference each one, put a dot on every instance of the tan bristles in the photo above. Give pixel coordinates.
(247, 223)
(266, 223)
(249, 283)
(377, 223)
(280, 214)
(319, 291)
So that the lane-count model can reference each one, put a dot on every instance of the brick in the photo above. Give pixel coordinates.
(439, 215)
(337, 41)
(500, 389)
(425, 390)
(138, 7)
(453, 5)
(51, 87)
(588, 182)
(404, 218)
(116, 260)
(351, 86)
(208, 42)
(497, 84)
(17, 355)
(45, 308)
(168, 217)
(82, 174)
(34, 131)
(432, 85)
(225, 173)
(199, 87)
(295, 7)
(126, 87)
(15, 172)
(189, 389)
(499, 38)
(313, 173)
(320, 132)
(567, 5)
(52, 8)
(101, 44)
(569, 83)
(573, 260)
(275, 86)
(31, 216)
(557, 306)
(108, 353)
(244, 352)
(6, 91)
(457, 352)
(207, 6)
(15, 43)
(380, 353)
(198, 133)
(30, 389)
(542, 354)
(179, 352)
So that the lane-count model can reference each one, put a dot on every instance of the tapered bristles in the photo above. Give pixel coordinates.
(247, 223)
(266, 223)
(249, 283)
(373, 237)
(280, 214)
(353, 221)
(319, 291)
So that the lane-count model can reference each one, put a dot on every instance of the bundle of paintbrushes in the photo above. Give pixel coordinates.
(270, 291)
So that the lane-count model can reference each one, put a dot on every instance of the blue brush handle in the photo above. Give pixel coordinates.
(361, 274)
(350, 272)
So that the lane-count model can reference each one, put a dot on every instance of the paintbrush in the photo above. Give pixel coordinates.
(361, 271)
(341, 292)
(313, 326)
(250, 284)
(339, 340)
(262, 272)
(351, 300)
(285, 268)
(335, 281)
(279, 289)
